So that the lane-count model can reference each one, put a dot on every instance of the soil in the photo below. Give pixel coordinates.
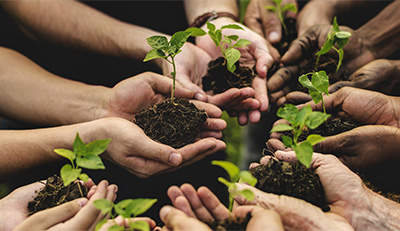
(170, 124)
(232, 223)
(219, 79)
(287, 38)
(54, 193)
(290, 179)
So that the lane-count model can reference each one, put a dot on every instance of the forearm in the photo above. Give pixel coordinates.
(196, 8)
(31, 94)
(383, 31)
(73, 24)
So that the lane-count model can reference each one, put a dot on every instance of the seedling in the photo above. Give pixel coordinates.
(319, 84)
(236, 176)
(300, 120)
(280, 10)
(162, 48)
(226, 43)
(335, 36)
(128, 208)
(82, 156)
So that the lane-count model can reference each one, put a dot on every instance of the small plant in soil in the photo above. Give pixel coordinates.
(128, 208)
(62, 189)
(280, 11)
(225, 72)
(235, 176)
(175, 122)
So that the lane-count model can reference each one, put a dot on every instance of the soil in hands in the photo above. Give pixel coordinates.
(290, 179)
(172, 124)
(287, 38)
(219, 79)
(232, 223)
(54, 193)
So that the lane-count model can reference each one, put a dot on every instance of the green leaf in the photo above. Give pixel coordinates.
(313, 139)
(315, 119)
(69, 174)
(226, 182)
(97, 147)
(90, 162)
(210, 26)
(84, 177)
(139, 206)
(302, 116)
(242, 43)
(247, 193)
(342, 42)
(281, 128)
(335, 25)
(100, 224)
(104, 205)
(320, 81)
(232, 56)
(326, 47)
(230, 168)
(70, 155)
(195, 32)
(341, 55)
(290, 6)
(116, 228)
(233, 37)
(288, 112)
(315, 95)
(270, 8)
(343, 35)
(232, 26)
(304, 152)
(246, 177)
(78, 146)
(287, 141)
(179, 38)
(153, 54)
(172, 50)
(305, 81)
(139, 225)
(120, 208)
(158, 42)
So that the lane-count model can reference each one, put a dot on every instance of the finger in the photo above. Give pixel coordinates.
(264, 59)
(196, 204)
(242, 118)
(111, 196)
(223, 99)
(258, 218)
(299, 48)
(272, 25)
(338, 85)
(297, 97)
(184, 85)
(260, 88)
(281, 102)
(213, 134)
(211, 110)
(214, 124)
(252, 18)
(163, 85)
(175, 219)
(275, 144)
(212, 203)
(282, 78)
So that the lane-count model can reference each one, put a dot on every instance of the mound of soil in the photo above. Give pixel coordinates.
(287, 38)
(54, 193)
(290, 179)
(219, 79)
(232, 223)
(172, 124)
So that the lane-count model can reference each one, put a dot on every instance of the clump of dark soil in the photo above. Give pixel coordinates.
(219, 79)
(54, 193)
(287, 38)
(232, 223)
(290, 179)
(172, 124)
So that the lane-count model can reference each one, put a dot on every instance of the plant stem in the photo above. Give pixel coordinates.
(173, 81)
(316, 63)
(80, 190)
(323, 104)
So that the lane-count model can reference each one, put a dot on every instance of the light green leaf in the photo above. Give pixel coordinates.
(341, 55)
(343, 35)
(84, 177)
(171, 50)
(153, 54)
(120, 208)
(335, 25)
(232, 56)
(97, 147)
(70, 155)
(230, 168)
(213, 36)
(287, 141)
(225, 182)
(305, 81)
(320, 81)
(290, 6)
(179, 38)
(270, 8)
(281, 128)
(288, 112)
(315, 119)
(195, 32)
(104, 205)
(304, 152)
(247, 193)
(242, 43)
(90, 162)
(78, 146)
(232, 26)
(232, 37)
(69, 174)
(210, 26)
(100, 224)
(246, 177)
(302, 116)
(139, 225)
(315, 95)
(326, 47)
(313, 139)
(116, 228)
(158, 42)
(139, 206)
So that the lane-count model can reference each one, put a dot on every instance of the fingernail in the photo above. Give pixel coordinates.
(82, 201)
(175, 159)
(273, 36)
(199, 96)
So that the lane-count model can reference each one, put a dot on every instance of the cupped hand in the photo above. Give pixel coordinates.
(315, 12)
(261, 219)
(265, 22)
(125, 222)
(176, 220)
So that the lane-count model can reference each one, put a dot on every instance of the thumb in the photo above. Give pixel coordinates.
(338, 85)
(272, 26)
(186, 85)
(329, 145)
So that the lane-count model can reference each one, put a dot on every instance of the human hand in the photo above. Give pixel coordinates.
(265, 22)
(315, 12)
(131, 149)
(126, 221)
(258, 219)
(79, 214)
(176, 220)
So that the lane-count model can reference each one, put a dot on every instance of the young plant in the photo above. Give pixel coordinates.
(128, 208)
(335, 36)
(226, 43)
(162, 48)
(82, 156)
(319, 84)
(280, 10)
(300, 120)
(236, 176)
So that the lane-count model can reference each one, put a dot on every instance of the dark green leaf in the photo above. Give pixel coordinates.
(79, 146)
(320, 81)
(232, 26)
(242, 43)
(313, 139)
(315, 119)
(179, 38)
(69, 174)
(233, 37)
(342, 42)
(315, 95)
(158, 42)
(153, 54)
(287, 141)
(246, 177)
(289, 6)
(97, 147)
(70, 155)
(100, 224)
(230, 168)
(195, 32)
(281, 128)
(139, 225)
(172, 50)
(84, 177)
(90, 162)
(288, 112)
(304, 152)
(210, 26)
(104, 205)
